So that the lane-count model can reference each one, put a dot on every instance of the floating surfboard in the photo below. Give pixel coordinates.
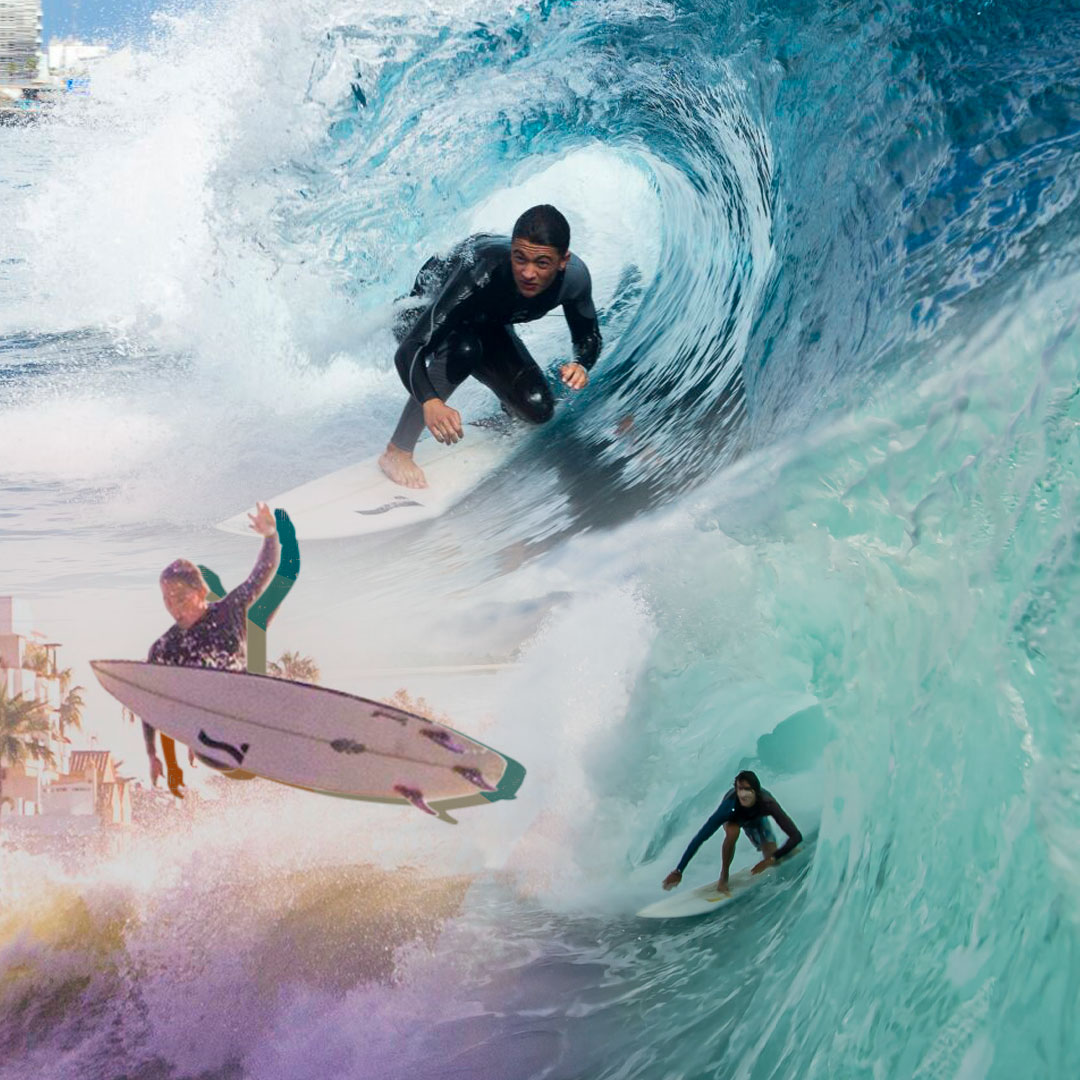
(705, 899)
(361, 499)
(313, 737)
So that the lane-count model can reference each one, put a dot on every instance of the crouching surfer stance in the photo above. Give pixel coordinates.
(471, 299)
(747, 806)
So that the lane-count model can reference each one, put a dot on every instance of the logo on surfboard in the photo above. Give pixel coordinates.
(237, 755)
(396, 503)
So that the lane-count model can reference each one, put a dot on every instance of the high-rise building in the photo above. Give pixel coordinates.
(20, 39)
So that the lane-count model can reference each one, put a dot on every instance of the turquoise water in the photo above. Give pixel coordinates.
(816, 516)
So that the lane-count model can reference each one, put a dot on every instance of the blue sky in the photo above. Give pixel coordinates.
(112, 19)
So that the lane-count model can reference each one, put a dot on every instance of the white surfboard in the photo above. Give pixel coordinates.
(705, 899)
(361, 499)
(313, 737)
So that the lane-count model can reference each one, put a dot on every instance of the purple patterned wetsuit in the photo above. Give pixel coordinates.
(219, 639)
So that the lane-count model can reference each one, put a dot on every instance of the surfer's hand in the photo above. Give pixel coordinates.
(442, 421)
(262, 521)
(176, 781)
(156, 770)
(574, 375)
(672, 879)
(764, 864)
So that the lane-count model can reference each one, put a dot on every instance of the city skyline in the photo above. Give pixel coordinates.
(20, 37)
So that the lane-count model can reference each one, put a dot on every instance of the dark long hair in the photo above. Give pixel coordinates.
(748, 777)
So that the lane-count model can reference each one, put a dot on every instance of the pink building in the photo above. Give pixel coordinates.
(79, 784)
(23, 783)
(94, 771)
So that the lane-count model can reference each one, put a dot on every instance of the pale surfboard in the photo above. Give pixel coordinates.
(704, 899)
(312, 737)
(359, 499)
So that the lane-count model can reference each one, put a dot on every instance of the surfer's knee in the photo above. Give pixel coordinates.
(536, 405)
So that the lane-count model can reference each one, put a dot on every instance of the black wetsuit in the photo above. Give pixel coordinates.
(749, 818)
(464, 329)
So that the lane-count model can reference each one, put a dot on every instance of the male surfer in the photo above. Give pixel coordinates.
(472, 298)
(746, 806)
(210, 635)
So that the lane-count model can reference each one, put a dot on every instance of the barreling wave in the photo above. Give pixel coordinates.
(815, 515)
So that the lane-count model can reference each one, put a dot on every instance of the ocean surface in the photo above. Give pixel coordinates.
(817, 514)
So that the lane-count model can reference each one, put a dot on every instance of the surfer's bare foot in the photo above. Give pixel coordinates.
(400, 467)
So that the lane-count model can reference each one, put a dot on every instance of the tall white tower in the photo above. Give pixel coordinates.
(20, 39)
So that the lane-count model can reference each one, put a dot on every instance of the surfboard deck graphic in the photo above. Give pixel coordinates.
(359, 499)
(704, 899)
(313, 737)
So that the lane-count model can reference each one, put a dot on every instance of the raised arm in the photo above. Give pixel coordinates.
(245, 594)
(287, 570)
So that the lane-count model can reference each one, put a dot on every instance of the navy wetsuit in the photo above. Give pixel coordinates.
(465, 329)
(752, 819)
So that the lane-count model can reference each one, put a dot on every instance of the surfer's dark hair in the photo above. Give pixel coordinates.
(184, 572)
(543, 225)
(750, 780)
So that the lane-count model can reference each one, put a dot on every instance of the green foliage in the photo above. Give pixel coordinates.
(71, 709)
(290, 665)
(24, 730)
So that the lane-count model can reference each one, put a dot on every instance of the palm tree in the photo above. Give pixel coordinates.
(71, 709)
(290, 665)
(64, 675)
(23, 726)
(36, 659)
(402, 699)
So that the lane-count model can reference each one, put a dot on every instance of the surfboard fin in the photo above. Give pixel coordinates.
(415, 797)
(444, 739)
(474, 776)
